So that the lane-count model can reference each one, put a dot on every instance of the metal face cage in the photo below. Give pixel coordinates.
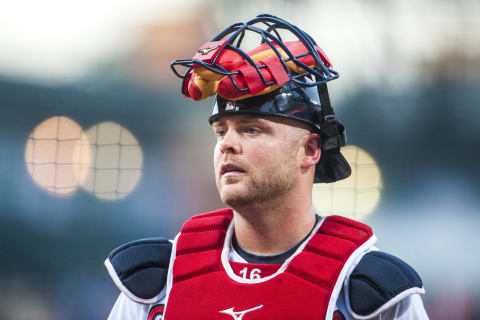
(268, 27)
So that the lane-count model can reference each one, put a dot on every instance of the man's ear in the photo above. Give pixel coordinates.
(312, 150)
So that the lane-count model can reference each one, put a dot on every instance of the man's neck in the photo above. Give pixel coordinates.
(268, 259)
(273, 227)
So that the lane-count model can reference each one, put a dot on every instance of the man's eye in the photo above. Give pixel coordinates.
(252, 130)
(220, 133)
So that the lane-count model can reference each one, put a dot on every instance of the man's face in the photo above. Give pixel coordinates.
(256, 158)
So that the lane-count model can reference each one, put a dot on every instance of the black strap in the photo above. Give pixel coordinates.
(327, 111)
(332, 130)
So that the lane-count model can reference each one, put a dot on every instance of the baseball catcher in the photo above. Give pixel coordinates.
(268, 255)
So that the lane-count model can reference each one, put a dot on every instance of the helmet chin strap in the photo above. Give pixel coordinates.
(333, 131)
(332, 166)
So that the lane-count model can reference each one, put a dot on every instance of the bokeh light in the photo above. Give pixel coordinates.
(116, 161)
(355, 197)
(52, 155)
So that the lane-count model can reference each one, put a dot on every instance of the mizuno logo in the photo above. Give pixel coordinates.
(204, 51)
(238, 315)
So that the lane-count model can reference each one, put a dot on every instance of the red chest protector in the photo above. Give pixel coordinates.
(305, 287)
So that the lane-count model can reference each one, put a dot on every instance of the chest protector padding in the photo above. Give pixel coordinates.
(202, 288)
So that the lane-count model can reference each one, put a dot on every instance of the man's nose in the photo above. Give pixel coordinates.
(230, 143)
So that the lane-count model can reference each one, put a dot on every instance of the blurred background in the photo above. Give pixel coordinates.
(98, 147)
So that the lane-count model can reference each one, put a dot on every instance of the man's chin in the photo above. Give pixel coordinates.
(235, 201)
(234, 195)
(230, 190)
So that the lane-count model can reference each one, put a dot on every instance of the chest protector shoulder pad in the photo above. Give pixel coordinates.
(378, 282)
(139, 268)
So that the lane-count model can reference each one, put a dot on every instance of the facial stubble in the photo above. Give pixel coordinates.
(260, 186)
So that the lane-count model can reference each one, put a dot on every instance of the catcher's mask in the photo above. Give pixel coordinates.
(284, 79)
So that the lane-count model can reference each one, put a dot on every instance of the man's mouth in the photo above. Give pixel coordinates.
(231, 170)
